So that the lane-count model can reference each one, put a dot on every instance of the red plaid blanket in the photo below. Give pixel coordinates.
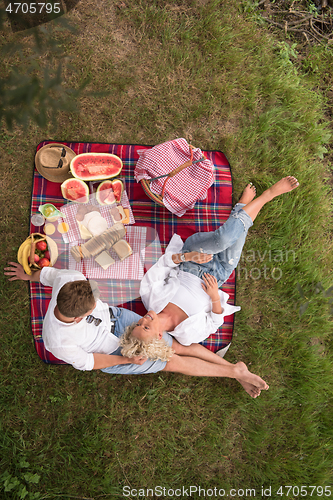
(206, 215)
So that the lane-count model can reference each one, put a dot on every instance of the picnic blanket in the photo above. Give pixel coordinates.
(206, 215)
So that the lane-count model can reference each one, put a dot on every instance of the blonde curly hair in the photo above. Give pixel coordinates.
(153, 349)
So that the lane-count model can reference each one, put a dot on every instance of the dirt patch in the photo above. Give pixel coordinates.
(110, 38)
(320, 344)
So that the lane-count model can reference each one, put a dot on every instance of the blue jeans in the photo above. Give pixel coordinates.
(122, 319)
(226, 244)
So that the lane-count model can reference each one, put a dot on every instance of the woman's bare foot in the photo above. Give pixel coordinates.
(248, 194)
(251, 389)
(244, 375)
(282, 186)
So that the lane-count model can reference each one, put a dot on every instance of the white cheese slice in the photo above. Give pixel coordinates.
(104, 260)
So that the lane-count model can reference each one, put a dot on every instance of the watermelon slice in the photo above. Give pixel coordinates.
(104, 193)
(109, 192)
(95, 166)
(75, 190)
(118, 188)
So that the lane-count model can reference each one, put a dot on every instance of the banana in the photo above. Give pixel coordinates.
(25, 258)
(27, 242)
(24, 251)
(53, 249)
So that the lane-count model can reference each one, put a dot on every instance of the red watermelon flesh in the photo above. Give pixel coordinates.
(118, 188)
(96, 166)
(75, 190)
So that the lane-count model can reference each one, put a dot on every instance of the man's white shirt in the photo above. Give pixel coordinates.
(75, 343)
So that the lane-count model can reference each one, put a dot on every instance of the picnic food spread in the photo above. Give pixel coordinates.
(101, 231)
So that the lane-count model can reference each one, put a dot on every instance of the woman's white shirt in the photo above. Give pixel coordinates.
(161, 283)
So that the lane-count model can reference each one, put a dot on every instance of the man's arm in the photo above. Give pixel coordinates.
(17, 273)
(105, 360)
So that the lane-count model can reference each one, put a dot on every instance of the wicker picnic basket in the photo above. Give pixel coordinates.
(159, 158)
(145, 183)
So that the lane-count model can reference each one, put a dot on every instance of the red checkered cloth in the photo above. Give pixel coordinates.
(185, 188)
(70, 211)
(206, 215)
(132, 268)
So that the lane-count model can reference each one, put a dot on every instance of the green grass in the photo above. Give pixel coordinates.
(199, 70)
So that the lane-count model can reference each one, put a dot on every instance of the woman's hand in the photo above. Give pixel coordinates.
(210, 286)
(198, 257)
(212, 290)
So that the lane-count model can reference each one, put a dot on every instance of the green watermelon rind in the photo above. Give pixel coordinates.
(83, 199)
(98, 157)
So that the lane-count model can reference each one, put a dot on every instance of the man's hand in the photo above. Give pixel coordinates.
(197, 257)
(17, 272)
(137, 360)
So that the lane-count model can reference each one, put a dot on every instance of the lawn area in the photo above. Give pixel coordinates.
(207, 71)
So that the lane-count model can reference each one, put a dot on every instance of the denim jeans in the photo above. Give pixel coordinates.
(123, 318)
(225, 243)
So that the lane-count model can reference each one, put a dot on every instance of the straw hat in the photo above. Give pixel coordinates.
(53, 160)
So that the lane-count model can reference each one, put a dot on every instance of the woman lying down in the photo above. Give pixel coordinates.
(181, 291)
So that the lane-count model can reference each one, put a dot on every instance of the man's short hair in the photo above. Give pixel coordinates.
(152, 349)
(76, 298)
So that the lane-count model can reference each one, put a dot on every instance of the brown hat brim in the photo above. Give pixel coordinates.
(49, 174)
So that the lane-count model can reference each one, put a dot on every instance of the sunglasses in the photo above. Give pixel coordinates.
(90, 319)
(60, 164)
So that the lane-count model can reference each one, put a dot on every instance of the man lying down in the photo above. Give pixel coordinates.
(88, 334)
(83, 331)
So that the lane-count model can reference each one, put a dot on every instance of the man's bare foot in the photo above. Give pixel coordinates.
(244, 375)
(251, 389)
(282, 186)
(248, 194)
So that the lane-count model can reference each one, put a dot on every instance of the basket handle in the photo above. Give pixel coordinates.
(178, 169)
(188, 163)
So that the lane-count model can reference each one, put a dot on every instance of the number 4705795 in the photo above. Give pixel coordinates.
(304, 491)
(33, 8)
